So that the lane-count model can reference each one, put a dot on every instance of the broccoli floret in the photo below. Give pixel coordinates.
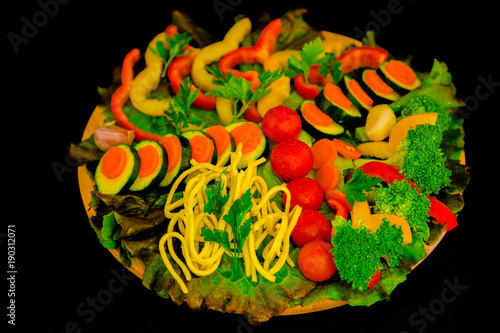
(400, 199)
(389, 240)
(422, 104)
(422, 160)
(357, 252)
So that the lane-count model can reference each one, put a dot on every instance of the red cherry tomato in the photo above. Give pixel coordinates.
(312, 225)
(280, 123)
(316, 261)
(305, 192)
(291, 158)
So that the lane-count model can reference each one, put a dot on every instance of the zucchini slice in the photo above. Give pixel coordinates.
(336, 105)
(117, 169)
(224, 141)
(399, 76)
(154, 165)
(179, 156)
(356, 94)
(378, 86)
(316, 122)
(252, 138)
(203, 148)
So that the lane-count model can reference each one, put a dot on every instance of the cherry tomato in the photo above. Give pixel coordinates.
(311, 225)
(280, 123)
(316, 261)
(305, 192)
(291, 158)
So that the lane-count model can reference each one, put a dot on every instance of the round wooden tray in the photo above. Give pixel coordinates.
(137, 268)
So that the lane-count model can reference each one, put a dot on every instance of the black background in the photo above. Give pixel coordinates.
(50, 92)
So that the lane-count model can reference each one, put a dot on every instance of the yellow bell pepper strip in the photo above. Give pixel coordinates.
(327, 35)
(178, 70)
(214, 52)
(121, 96)
(387, 149)
(280, 89)
(224, 107)
(149, 78)
(259, 53)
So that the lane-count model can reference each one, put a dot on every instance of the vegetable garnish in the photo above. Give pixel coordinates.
(176, 48)
(180, 105)
(206, 235)
(360, 183)
(238, 89)
(243, 154)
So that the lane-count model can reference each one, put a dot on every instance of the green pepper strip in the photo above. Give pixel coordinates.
(121, 95)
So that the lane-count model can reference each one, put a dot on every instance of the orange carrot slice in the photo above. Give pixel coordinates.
(221, 137)
(328, 177)
(202, 148)
(346, 149)
(174, 150)
(401, 72)
(149, 160)
(114, 162)
(324, 152)
(315, 115)
(360, 94)
(336, 95)
(375, 82)
(249, 134)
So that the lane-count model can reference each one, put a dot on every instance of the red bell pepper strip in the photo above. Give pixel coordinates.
(311, 89)
(389, 173)
(180, 67)
(338, 206)
(305, 90)
(363, 56)
(265, 45)
(121, 96)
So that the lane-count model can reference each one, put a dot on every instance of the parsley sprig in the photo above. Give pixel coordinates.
(176, 44)
(237, 89)
(180, 104)
(360, 183)
(311, 55)
(235, 217)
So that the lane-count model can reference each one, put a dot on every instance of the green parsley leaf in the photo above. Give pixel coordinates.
(215, 200)
(358, 185)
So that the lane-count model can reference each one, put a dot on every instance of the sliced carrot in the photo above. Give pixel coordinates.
(324, 152)
(328, 177)
(174, 150)
(114, 162)
(375, 82)
(149, 160)
(360, 94)
(336, 96)
(249, 134)
(202, 148)
(315, 114)
(340, 196)
(346, 149)
(401, 72)
(221, 136)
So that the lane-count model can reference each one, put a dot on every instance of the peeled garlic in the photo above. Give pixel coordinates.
(379, 122)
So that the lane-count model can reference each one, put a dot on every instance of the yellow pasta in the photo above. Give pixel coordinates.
(187, 218)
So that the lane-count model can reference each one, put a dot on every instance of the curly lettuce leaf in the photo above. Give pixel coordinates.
(257, 301)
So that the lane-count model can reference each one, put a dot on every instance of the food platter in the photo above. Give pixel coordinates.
(87, 185)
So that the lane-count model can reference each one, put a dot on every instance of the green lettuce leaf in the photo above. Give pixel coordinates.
(257, 301)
